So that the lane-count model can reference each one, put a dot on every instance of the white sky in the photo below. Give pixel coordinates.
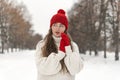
(43, 10)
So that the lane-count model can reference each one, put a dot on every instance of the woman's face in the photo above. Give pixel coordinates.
(57, 29)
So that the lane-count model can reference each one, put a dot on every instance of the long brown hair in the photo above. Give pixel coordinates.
(50, 46)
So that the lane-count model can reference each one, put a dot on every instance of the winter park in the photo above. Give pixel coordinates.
(94, 25)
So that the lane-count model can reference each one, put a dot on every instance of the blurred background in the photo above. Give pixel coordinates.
(93, 24)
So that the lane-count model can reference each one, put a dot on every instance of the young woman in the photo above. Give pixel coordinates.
(57, 57)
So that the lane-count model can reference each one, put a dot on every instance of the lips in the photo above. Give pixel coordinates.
(57, 33)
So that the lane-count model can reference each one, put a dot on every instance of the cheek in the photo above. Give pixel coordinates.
(53, 30)
(62, 30)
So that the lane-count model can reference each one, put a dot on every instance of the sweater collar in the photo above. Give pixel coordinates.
(57, 39)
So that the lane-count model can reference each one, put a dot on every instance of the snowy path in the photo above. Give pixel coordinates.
(21, 66)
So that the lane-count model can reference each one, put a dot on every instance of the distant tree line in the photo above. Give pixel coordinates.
(16, 27)
(95, 26)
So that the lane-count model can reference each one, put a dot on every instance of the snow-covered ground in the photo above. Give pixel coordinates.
(21, 66)
(18, 66)
(98, 68)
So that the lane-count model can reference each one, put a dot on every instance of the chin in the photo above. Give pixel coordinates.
(57, 35)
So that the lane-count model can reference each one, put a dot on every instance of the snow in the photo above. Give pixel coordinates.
(21, 66)
(98, 68)
(17, 66)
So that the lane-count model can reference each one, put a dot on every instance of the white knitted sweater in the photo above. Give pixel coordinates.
(49, 68)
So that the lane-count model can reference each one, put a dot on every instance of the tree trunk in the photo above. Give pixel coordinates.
(2, 47)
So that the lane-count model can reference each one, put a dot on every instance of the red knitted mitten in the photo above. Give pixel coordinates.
(65, 41)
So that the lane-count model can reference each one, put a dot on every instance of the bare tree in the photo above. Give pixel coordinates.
(95, 25)
(15, 26)
(115, 26)
(3, 24)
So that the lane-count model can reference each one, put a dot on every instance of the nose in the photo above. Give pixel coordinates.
(58, 27)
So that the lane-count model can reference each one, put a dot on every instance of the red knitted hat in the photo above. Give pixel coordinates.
(59, 17)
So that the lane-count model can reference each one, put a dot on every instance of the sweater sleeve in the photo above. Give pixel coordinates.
(73, 59)
(48, 65)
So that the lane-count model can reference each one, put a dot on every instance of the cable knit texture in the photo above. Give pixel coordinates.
(49, 68)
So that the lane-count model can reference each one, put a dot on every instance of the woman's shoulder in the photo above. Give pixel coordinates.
(40, 43)
(74, 44)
